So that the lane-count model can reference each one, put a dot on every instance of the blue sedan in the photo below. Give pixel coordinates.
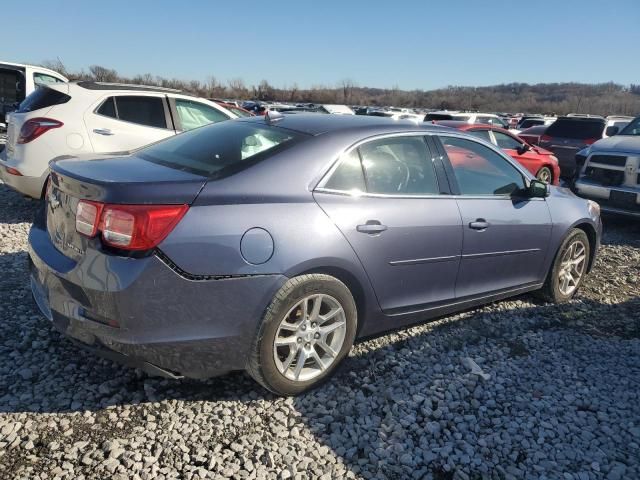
(270, 244)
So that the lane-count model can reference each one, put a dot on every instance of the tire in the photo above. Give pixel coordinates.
(545, 175)
(267, 362)
(552, 290)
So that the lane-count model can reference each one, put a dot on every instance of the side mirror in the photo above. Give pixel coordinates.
(524, 148)
(537, 189)
(611, 131)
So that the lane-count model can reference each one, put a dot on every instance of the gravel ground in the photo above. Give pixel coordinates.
(560, 400)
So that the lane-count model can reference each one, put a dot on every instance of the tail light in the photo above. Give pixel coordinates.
(545, 138)
(34, 127)
(128, 227)
(13, 171)
(590, 141)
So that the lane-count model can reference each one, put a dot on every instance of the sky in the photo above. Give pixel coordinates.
(409, 44)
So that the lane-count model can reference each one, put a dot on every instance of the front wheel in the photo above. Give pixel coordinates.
(569, 268)
(545, 175)
(307, 330)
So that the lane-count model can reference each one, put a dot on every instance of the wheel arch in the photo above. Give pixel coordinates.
(592, 235)
(353, 284)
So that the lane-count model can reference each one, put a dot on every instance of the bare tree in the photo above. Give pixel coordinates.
(103, 74)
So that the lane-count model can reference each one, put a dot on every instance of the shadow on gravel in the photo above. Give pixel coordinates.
(16, 208)
(401, 406)
(396, 409)
(620, 230)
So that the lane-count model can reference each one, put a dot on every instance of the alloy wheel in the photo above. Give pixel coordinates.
(309, 337)
(572, 267)
(544, 175)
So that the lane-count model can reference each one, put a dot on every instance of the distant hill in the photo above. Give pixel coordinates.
(560, 98)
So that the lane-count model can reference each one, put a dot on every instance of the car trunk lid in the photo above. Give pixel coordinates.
(124, 180)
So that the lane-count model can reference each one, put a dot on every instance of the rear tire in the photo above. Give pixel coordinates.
(569, 268)
(307, 330)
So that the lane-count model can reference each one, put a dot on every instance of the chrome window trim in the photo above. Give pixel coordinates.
(336, 162)
(359, 194)
(334, 165)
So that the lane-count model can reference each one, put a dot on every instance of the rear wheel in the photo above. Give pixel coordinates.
(545, 175)
(307, 330)
(568, 269)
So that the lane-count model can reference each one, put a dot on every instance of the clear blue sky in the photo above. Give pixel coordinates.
(411, 44)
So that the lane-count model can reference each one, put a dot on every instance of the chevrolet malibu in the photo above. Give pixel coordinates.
(271, 244)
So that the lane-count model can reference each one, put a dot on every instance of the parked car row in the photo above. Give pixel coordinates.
(270, 243)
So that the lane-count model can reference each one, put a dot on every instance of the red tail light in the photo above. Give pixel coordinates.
(545, 138)
(33, 128)
(13, 171)
(129, 227)
(590, 141)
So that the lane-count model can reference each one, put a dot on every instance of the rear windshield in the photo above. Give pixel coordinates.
(220, 149)
(42, 97)
(573, 128)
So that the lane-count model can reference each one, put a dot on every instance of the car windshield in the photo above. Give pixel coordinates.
(633, 128)
(219, 150)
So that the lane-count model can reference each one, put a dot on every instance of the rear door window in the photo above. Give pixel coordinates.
(195, 114)
(348, 177)
(108, 108)
(483, 134)
(574, 128)
(505, 141)
(399, 166)
(143, 110)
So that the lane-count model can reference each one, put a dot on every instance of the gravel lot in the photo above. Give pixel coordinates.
(562, 400)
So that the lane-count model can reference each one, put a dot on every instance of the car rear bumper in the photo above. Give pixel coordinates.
(603, 195)
(30, 186)
(143, 313)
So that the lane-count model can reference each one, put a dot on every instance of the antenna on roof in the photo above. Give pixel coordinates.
(273, 116)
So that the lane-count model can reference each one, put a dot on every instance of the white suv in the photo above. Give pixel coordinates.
(93, 117)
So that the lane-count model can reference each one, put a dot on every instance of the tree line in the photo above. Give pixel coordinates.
(552, 98)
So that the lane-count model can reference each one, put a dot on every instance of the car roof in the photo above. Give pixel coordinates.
(91, 85)
(465, 126)
(318, 124)
(35, 67)
(581, 118)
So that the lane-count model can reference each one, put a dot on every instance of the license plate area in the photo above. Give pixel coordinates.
(623, 199)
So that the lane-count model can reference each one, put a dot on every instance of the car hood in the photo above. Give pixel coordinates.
(623, 143)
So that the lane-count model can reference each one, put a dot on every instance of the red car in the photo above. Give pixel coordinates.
(540, 162)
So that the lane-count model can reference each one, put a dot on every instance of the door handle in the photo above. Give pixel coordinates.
(479, 224)
(371, 227)
(102, 131)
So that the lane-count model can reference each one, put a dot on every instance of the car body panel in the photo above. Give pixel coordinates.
(422, 239)
(192, 305)
(513, 247)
